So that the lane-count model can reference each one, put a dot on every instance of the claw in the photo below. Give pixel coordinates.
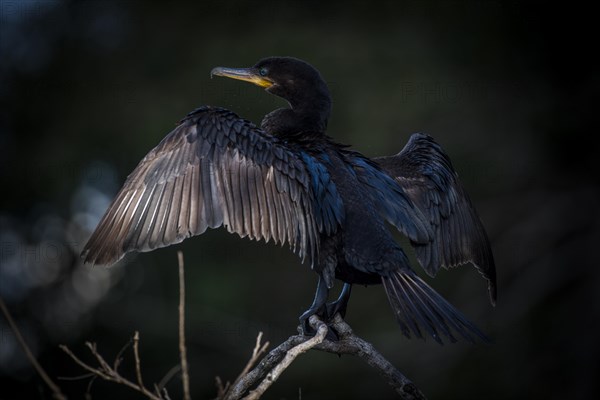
(318, 307)
(340, 305)
(325, 311)
(308, 330)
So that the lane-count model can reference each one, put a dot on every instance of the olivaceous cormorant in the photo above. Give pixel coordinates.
(289, 182)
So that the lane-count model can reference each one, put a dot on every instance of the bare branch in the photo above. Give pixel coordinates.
(165, 394)
(223, 391)
(84, 365)
(182, 349)
(94, 349)
(118, 357)
(136, 356)
(257, 352)
(107, 372)
(75, 378)
(349, 343)
(255, 379)
(290, 356)
(138, 367)
(168, 376)
(273, 363)
(265, 365)
(56, 392)
(88, 391)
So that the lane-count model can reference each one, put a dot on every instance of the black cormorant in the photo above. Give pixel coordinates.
(287, 181)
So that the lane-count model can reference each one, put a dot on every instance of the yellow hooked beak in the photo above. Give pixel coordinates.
(243, 74)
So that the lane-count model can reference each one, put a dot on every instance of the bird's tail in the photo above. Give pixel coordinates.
(417, 306)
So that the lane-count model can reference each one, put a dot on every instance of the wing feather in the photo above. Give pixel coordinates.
(426, 174)
(215, 169)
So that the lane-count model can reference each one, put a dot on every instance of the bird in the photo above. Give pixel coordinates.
(288, 181)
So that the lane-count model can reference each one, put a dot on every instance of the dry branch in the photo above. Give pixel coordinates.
(257, 376)
(290, 356)
(182, 349)
(224, 390)
(108, 373)
(280, 358)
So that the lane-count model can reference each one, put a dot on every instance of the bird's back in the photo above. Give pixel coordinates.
(364, 247)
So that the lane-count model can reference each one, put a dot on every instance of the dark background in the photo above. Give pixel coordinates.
(507, 88)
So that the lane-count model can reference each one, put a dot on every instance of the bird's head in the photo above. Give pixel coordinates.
(292, 79)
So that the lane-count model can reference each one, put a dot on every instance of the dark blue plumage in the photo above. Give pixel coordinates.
(328, 206)
(287, 181)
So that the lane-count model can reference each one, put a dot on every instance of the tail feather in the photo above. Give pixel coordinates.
(426, 309)
(417, 306)
(401, 304)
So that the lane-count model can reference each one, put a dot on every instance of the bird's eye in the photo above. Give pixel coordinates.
(262, 71)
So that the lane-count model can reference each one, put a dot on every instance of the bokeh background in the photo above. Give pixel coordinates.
(507, 88)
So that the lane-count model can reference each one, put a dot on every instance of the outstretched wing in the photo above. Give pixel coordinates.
(426, 174)
(391, 201)
(215, 169)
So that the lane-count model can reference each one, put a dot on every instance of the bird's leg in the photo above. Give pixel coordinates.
(340, 305)
(318, 307)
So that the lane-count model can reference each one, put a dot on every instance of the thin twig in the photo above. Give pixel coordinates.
(118, 357)
(83, 365)
(88, 390)
(290, 357)
(223, 391)
(94, 349)
(162, 393)
(138, 363)
(165, 394)
(256, 353)
(266, 364)
(75, 378)
(168, 376)
(182, 349)
(106, 372)
(56, 392)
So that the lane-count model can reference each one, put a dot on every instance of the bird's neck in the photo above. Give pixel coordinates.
(301, 117)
